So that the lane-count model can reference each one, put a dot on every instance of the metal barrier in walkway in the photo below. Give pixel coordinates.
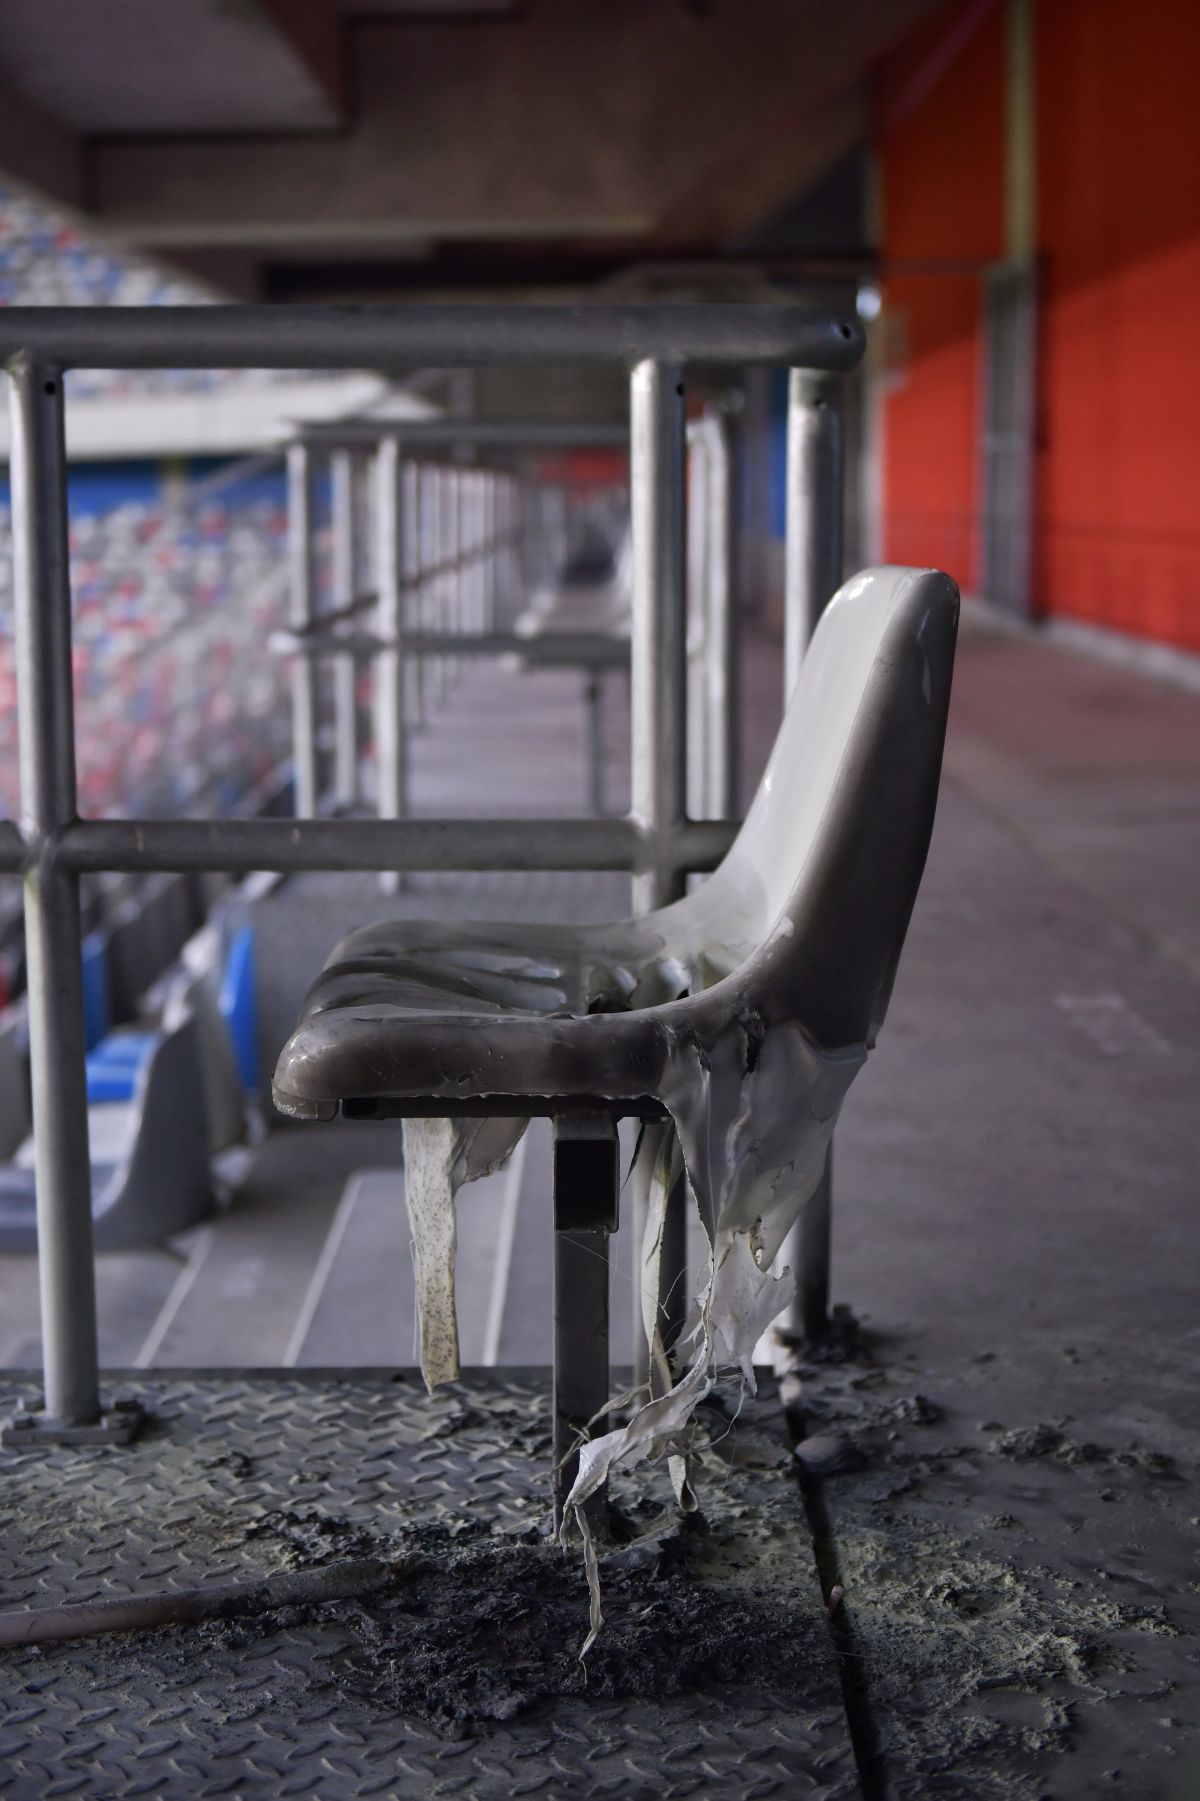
(51, 846)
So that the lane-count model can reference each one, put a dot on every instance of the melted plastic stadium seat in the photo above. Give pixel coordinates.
(742, 1012)
(802, 923)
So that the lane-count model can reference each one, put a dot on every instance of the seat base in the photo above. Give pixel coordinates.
(502, 1106)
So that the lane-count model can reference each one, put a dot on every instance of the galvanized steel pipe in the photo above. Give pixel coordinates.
(452, 434)
(300, 616)
(813, 566)
(239, 846)
(53, 944)
(391, 738)
(658, 678)
(813, 573)
(441, 337)
(345, 675)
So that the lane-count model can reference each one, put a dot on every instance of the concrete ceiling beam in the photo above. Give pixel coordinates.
(568, 122)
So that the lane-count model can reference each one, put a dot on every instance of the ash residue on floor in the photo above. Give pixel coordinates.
(1020, 1595)
(479, 1629)
(484, 1622)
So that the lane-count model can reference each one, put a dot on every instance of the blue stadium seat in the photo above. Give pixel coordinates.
(97, 1001)
(239, 1005)
(114, 1066)
(150, 1156)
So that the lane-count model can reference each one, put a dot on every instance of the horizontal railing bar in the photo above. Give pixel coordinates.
(597, 649)
(335, 616)
(239, 846)
(477, 434)
(463, 559)
(418, 336)
(417, 579)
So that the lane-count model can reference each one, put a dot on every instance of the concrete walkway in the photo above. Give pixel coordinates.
(1017, 1182)
(1020, 1157)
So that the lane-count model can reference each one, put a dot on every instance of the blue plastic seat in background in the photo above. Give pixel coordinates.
(97, 999)
(239, 1005)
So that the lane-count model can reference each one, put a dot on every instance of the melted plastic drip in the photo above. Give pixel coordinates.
(439, 1156)
(754, 1131)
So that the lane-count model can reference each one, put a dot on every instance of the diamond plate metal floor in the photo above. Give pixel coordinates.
(246, 1475)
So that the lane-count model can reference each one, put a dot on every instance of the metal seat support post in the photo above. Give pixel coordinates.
(586, 1181)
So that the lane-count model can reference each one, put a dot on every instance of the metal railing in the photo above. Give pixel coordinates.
(714, 664)
(438, 594)
(453, 543)
(51, 846)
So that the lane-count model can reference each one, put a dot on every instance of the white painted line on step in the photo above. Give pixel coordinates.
(320, 1275)
(514, 1175)
(180, 1289)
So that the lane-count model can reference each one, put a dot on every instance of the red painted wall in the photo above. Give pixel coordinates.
(1117, 476)
(939, 113)
(1118, 468)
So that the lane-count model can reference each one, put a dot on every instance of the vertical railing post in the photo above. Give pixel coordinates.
(658, 726)
(300, 615)
(439, 588)
(452, 581)
(491, 531)
(391, 747)
(57, 1051)
(722, 663)
(345, 704)
(418, 539)
(456, 620)
(699, 643)
(658, 649)
(815, 480)
(479, 550)
(813, 551)
(522, 569)
(459, 598)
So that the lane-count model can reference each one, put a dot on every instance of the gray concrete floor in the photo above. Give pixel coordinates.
(1019, 1163)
